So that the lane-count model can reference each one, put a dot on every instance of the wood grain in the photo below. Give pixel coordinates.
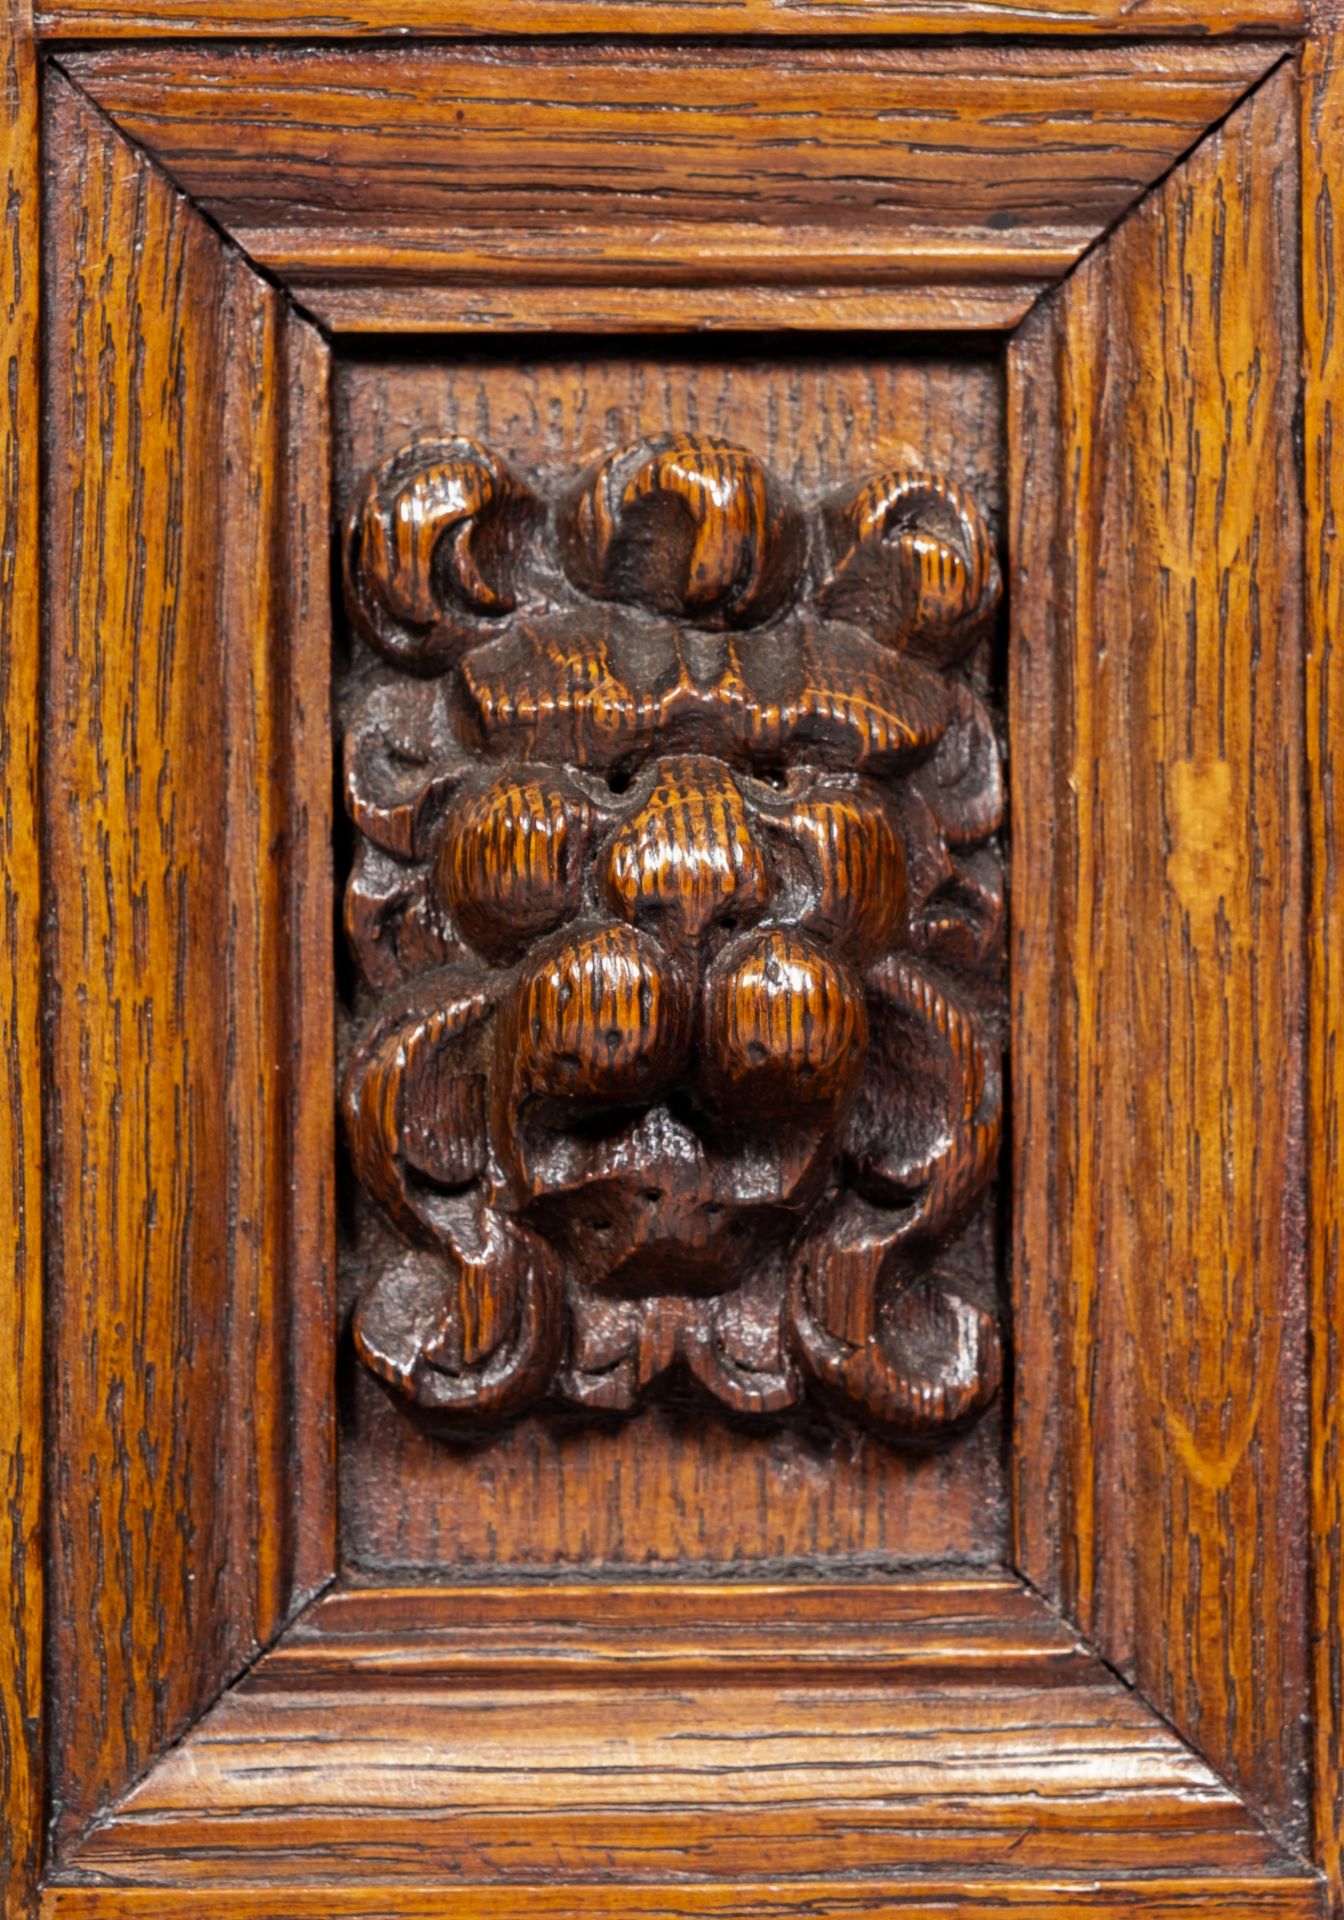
(758, 1635)
(961, 1731)
(1156, 728)
(670, 1487)
(181, 1533)
(92, 19)
(1322, 240)
(1243, 1896)
(367, 178)
(21, 1414)
(625, 1130)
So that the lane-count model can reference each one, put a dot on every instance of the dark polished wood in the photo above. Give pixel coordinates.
(677, 887)
(675, 1486)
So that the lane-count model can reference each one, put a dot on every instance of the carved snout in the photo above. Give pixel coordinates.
(687, 858)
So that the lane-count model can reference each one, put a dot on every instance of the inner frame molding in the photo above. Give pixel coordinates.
(676, 885)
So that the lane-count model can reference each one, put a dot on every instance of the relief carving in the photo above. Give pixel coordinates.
(677, 893)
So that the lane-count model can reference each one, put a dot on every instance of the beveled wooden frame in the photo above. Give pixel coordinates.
(1175, 692)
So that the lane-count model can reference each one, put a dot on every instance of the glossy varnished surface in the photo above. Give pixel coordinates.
(188, 896)
(958, 1732)
(83, 19)
(672, 1484)
(1158, 952)
(1322, 237)
(21, 1418)
(677, 898)
(531, 186)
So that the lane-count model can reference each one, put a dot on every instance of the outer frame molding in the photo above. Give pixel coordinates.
(932, 186)
(1157, 663)
(189, 1150)
(21, 1703)
(1209, 1463)
(118, 19)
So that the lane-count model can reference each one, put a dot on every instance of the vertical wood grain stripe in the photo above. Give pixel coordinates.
(174, 1391)
(1323, 331)
(20, 987)
(1156, 729)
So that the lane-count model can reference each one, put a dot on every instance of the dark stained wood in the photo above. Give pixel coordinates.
(1322, 240)
(187, 1521)
(465, 187)
(687, 1065)
(21, 1412)
(1155, 728)
(118, 19)
(925, 1751)
(672, 1485)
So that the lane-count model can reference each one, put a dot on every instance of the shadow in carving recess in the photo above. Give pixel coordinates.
(675, 880)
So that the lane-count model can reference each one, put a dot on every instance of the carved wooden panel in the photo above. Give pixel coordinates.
(678, 906)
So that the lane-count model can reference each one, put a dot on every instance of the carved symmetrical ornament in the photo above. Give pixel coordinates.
(676, 888)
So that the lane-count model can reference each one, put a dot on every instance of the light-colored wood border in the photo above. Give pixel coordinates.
(1322, 124)
(888, 187)
(1074, 19)
(21, 1744)
(1157, 659)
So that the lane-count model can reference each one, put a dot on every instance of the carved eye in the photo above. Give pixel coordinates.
(686, 525)
(431, 551)
(913, 563)
(510, 861)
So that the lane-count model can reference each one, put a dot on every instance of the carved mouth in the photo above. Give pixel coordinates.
(654, 1200)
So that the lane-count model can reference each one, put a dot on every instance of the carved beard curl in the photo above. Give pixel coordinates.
(677, 880)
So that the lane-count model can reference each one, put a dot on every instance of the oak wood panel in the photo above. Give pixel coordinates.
(181, 1535)
(21, 1466)
(1141, 1897)
(485, 174)
(306, 1489)
(1322, 239)
(557, 1634)
(88, 19)
(498, 307)
(673, 1485)
(1156, 723)
(956, 1766)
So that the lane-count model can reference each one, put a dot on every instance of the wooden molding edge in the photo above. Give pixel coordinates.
(780, 19)
(1155, 721)
(1005, 166)
(882, 1742)
(185, 765)
(21, 984)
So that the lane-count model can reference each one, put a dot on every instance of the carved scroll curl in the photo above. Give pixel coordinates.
(686, 525)
(680, 904)
(913, 563)
(431, 551)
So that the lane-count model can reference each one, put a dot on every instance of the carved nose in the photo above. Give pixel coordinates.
(687, 860)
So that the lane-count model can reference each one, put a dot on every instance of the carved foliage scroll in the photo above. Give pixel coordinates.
(677, 897)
